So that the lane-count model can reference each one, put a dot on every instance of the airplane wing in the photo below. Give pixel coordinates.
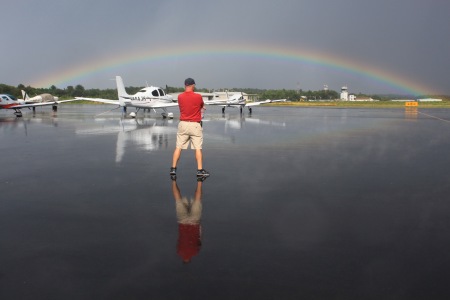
(163, 105)
(39, 104)
(218, 102)
(235, 103)
(128, 102)
(62, 101)
(264, 102)
(107, 101)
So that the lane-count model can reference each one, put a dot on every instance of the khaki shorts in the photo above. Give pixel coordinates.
(188, 211)
(189, 132)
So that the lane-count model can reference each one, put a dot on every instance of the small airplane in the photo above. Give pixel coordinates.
(237, 100)
(39, 98)
(148, 98)
(8, 101)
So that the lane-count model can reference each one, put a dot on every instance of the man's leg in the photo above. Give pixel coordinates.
(176, 157)
(199, 158)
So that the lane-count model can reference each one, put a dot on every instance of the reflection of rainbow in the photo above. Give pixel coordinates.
(262, 52)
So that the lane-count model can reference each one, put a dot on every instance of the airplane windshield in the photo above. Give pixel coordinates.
(12, 97)
(155, 93)
(161, 92)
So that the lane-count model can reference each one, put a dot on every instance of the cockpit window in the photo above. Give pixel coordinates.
(142, 91)
(155, 93)
(12, 97)
(161, 92)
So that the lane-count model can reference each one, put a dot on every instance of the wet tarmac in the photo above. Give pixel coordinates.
(302, 203)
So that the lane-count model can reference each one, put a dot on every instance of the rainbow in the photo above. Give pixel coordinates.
(263, 52)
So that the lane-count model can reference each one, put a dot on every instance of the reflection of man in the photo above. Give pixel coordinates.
(189, 229)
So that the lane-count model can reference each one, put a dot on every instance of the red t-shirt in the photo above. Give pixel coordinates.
(189, 240)
(191, 105)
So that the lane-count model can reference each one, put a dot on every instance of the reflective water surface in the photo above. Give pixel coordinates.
(302, 203)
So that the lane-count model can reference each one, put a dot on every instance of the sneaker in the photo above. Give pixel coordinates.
(201, 178)
(173, 171)
(202, 173)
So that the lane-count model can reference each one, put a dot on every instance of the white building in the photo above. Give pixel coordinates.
(429, 100)
(344, 93)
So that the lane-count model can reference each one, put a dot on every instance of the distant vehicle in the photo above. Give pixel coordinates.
(148, 98)
(8, 101)
(237, 100)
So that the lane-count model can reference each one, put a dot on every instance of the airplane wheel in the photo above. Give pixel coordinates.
(55, 108)
(223, 110)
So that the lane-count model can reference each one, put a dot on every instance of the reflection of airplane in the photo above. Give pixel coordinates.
(237, 100)
(150, 136)
(147, 134)
(10, 102)
(10, 124)
(238, 122)
(148, 98)
(189, 213)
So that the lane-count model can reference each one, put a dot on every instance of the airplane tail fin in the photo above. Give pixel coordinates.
(25, 95)
(121, 92)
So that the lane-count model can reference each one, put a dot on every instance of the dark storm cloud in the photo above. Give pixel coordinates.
(404, 37)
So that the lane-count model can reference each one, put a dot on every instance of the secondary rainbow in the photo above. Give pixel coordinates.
(262, 52)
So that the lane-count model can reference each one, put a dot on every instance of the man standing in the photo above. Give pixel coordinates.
(190, 127)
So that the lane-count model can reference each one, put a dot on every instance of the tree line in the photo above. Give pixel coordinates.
(79, 91)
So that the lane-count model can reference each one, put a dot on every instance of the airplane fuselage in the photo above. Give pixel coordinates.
(8, 101)
(41, 98)
(148, 97)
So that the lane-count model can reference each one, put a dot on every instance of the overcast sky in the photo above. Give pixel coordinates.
(378, 46)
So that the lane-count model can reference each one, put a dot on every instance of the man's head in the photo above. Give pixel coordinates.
(188, 82)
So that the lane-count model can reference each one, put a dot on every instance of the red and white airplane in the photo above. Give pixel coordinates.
(150, 97)
(8, 101)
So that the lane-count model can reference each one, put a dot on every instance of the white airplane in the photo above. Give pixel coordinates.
(39, 98)
(8, 101)
(148, 98)
(237, 100)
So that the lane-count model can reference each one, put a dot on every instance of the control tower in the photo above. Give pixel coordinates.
(344, 93)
